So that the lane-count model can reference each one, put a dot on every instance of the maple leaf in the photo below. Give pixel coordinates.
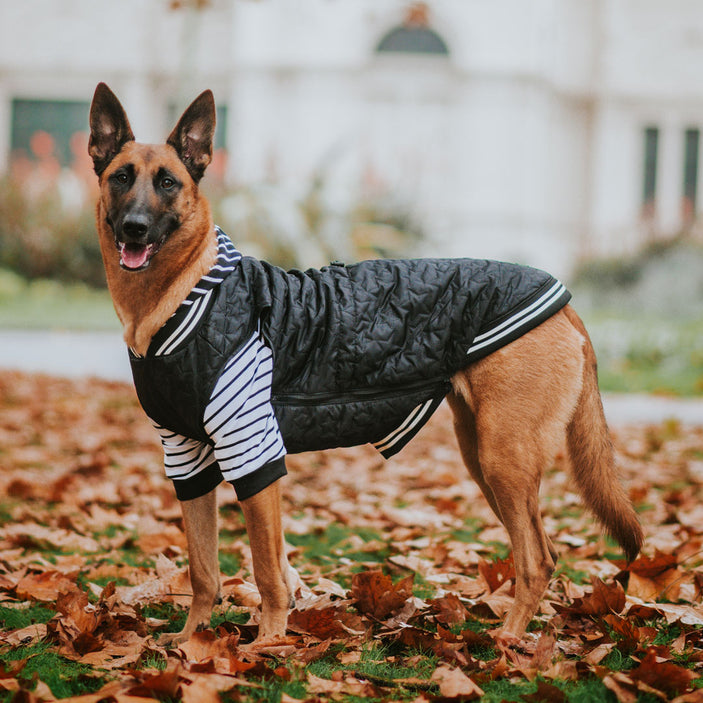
(333, 622)
(449, 610)
(348, 686)
(605, 598)
(149, 684)
(664, 676)
(454, 683)
(497, 573)
(45, 586)
(377, 596)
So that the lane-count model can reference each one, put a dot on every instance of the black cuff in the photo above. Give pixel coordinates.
(256, 481)
(198, 485)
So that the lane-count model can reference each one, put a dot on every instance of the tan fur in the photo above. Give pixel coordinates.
(144, 301)
(512, 410)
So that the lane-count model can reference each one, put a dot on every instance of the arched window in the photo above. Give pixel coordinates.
(414, 36)
(413, 40)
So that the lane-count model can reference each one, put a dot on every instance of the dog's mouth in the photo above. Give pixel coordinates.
(136, 257)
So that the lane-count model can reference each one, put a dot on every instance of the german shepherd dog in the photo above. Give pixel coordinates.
(513, 409)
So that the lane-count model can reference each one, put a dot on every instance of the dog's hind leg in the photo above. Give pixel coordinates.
(262, 513)
(200, 523)
(465, 430)
(522, 398)
(467, 439)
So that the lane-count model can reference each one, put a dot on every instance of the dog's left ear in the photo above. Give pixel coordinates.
(192, 136)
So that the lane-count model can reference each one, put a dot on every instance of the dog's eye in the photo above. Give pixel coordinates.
(167, 183)
(122, 178)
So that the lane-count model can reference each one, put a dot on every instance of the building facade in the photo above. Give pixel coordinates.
(542, 132)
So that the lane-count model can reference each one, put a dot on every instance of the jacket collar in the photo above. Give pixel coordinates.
(189, 313)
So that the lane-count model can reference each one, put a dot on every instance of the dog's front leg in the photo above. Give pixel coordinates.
(200, 522)
(262, 513)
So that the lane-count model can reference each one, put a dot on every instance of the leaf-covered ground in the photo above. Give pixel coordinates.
(405, 572)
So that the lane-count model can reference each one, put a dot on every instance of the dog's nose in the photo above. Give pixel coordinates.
(135, 226)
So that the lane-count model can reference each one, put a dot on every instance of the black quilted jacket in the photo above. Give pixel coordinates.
(362, 353)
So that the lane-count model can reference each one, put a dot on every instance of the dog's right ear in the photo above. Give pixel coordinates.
(109, 128)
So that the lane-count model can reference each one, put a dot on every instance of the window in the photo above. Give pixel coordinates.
(413, 40)
(690, 174)
(60, 119)
(414, 36)
(649, 190)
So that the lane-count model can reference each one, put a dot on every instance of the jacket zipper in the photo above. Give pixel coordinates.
(354, 394)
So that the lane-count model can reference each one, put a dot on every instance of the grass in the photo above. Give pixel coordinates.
(647, 353)
(64, 677)
(18, 618)
(44, 304)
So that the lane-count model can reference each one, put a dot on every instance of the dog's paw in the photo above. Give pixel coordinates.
(174, 639)
(506, 640)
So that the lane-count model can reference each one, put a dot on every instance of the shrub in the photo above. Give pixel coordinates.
(41, 238)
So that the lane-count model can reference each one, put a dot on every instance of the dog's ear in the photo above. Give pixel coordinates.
(109, 128)
(192, 136)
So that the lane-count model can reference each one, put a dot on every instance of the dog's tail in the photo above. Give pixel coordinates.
(593, 460)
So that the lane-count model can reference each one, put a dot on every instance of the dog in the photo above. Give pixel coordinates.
(516, 399)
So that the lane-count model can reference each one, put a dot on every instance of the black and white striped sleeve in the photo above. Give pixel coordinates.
(240, 421)
(189, 463)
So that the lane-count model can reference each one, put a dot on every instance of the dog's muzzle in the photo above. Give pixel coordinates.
(132, 243)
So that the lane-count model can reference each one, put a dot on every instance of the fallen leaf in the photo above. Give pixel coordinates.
(454, 683)
(377, 596)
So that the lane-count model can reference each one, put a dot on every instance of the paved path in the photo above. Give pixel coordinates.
(70, 354)
(103, 354)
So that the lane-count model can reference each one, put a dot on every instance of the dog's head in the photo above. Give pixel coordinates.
(147, 191)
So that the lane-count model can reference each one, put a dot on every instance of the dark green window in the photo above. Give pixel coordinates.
(413, 40)
(60, 118)
(649, 190)
(690, 172)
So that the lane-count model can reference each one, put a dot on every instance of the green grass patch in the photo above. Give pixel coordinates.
(233, 615)
(647, 353)
(230, 564)
(44, 304)
(17, 618)
(64, 677)
(176, 616)
(328, 545)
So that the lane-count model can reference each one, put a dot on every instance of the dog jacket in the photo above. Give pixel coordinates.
(258, 361)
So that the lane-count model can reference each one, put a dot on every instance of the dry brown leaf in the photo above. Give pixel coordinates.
(454, 683)
(377, 596)
(45, 586)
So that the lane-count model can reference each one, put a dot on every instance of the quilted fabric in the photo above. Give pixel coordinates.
(355, 348)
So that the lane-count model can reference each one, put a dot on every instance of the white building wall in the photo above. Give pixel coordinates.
(526, 143)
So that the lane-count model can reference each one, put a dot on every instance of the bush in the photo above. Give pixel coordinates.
(40, 238)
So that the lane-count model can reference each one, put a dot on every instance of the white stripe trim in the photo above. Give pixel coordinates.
(519, 319)
(411, 421)
(191, 319)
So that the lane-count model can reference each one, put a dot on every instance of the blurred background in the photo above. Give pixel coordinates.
(558, 133)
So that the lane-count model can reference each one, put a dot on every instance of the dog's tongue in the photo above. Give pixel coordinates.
(134, 256)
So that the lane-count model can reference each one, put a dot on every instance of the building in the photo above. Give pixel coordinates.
(542, 132)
